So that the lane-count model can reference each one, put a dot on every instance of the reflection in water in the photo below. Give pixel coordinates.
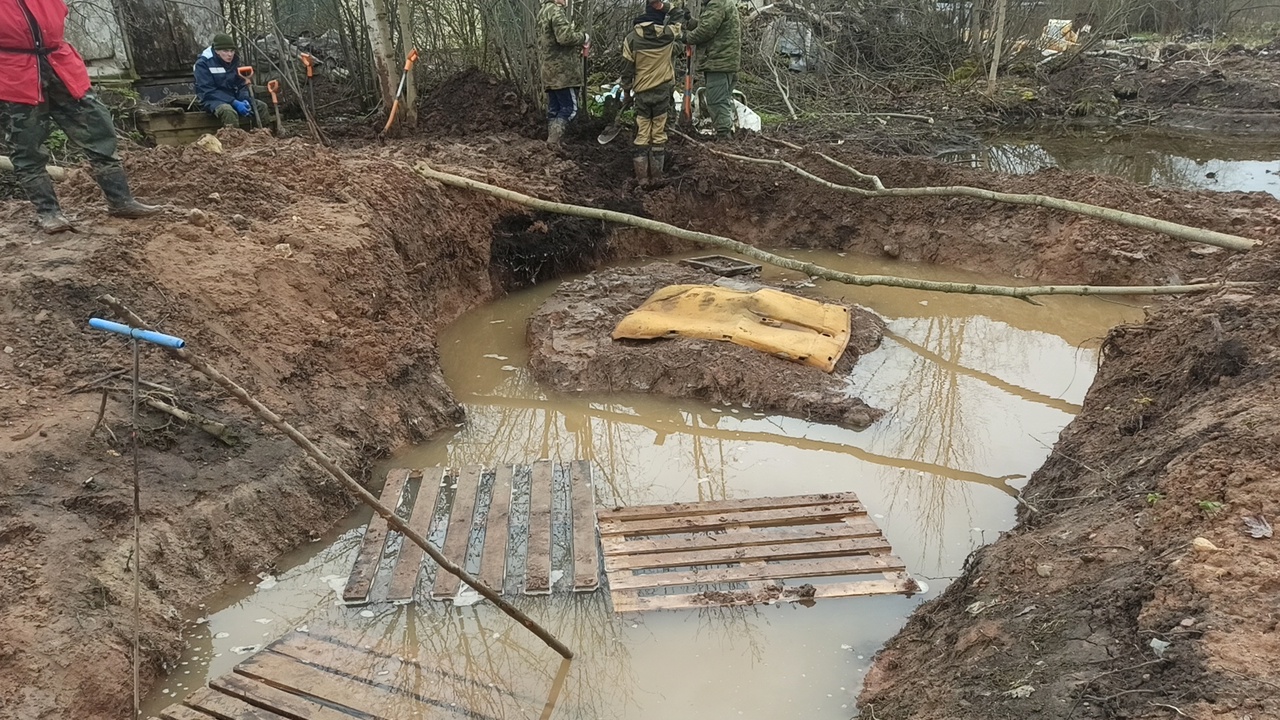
(1147, 159)
(976, 388)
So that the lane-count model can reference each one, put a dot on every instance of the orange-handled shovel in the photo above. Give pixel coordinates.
(246, 72)
(273, 86)
(395, 105)
(310, 62)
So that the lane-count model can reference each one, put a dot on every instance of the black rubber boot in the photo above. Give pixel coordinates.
(120, 201)
(640, 161)
(657, 163)
(48, 213)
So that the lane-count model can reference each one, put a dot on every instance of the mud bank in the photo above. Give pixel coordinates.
(1066, 616)
(319, 278)
(572, 351)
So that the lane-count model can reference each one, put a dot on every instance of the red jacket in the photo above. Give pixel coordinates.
(28, 29)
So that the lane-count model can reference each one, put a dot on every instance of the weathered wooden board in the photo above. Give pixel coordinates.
(225, 707)
(828, 512)
(853, 527)
(455, 541)
(287, 704)
(375, 539)
(493, 559)
(537, 578)
(182, 712)
(741, 554)
(655, 512)
(404, 578)
(797, 569)
(624, 602)
(350, 695)
(586, 553)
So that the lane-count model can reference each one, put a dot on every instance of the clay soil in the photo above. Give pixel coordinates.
(571, 350)
(318, 278)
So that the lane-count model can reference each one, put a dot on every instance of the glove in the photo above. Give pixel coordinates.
(242, 107)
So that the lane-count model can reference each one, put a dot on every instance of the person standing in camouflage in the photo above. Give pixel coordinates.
(43, 78)
(717, 37)
(648, 73)
(560, 46)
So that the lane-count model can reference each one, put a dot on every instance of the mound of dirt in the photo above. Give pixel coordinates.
(571, 350)
(475, 103)
(1106, 601)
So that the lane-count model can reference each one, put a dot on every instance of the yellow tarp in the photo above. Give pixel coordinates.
(771, 321)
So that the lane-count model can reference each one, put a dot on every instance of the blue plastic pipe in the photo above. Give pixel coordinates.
(150, 336)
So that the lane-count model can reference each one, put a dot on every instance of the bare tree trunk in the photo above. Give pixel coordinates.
(385, 68)
(1001, 7)
(410, 104)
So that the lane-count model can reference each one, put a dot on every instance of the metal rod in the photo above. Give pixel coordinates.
(341, 476)
(137, 544)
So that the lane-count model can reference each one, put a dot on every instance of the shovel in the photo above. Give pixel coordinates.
(273, 86)
(613, 128)
(246, 72)
(395, 105)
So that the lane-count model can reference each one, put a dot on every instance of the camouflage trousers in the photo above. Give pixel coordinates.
(653, 107)
(86, 122)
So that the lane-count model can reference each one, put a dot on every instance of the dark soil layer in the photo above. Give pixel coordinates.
(1176, 443)
(571, 350)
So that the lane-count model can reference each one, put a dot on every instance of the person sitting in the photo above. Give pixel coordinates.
(221, 90)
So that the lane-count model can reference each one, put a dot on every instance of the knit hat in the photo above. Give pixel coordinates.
(223, 41)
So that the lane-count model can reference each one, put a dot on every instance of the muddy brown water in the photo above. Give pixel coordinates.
(1191, 162)
(977, 388)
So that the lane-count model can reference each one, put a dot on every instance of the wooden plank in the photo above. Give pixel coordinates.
(537, 577)
(753, 518)
(375, 539)
(493, 559)
(629, 602)
(182, 712)
(404, 578)
(287, 704)
(819, 548)
(655, 512)
(586, 555)
(790, 570)
(461, 517)
(225, 707)
(858, 526)
(351, 695)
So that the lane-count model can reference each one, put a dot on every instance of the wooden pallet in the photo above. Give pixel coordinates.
(737, 552)
(468, 512)
(323, 677)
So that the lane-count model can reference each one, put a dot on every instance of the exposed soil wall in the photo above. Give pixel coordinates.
(1175, 444)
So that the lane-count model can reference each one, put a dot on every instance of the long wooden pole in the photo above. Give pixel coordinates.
(341, 476)
(742, 248)
(1119, 217)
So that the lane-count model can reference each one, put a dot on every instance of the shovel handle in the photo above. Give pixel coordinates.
(309, 62)
(411, 59)
(245, 71)
(273, 87)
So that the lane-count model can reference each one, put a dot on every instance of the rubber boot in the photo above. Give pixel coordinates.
(120, 201)
(48, 213)
(657, 163)
(640, 161)
(555, 131)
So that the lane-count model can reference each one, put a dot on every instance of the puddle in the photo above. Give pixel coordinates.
(1146, 158)
(977, 388)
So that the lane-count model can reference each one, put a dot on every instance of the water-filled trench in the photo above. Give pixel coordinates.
(977, 390)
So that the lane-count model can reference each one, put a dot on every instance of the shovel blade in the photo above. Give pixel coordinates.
(609, 133)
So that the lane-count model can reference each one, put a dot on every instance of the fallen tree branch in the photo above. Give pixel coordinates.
(900, 116)
(213, 427)
(1120, 217)
(810, 269)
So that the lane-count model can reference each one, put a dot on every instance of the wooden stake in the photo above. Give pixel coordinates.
(341, 476)
(1022, 293)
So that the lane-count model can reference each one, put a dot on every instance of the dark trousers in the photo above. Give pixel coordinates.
(86, 122)
(562, 104)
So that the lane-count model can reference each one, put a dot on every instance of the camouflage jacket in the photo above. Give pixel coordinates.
(649, 53)
(717, 37)
(560, 47)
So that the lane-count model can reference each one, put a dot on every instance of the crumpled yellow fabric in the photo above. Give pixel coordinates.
(790, 327)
